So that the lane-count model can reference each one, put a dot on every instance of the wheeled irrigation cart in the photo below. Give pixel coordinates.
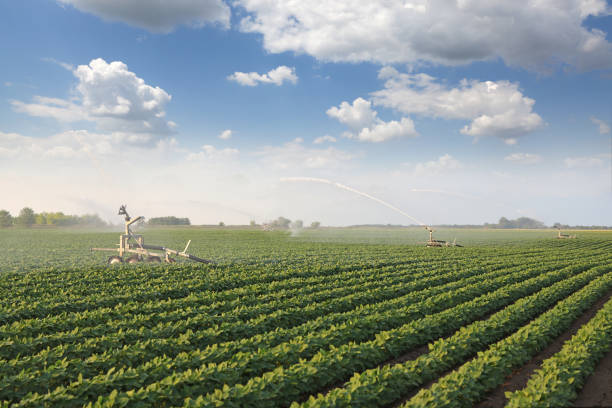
(130, 243)
(439, 243)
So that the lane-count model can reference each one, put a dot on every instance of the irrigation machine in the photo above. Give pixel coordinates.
(130, 243)
(439, 243)
(561, 235)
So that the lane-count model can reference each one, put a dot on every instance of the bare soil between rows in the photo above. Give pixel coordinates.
(597, 391)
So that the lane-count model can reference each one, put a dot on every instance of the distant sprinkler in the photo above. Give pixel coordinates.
(561, 235)
(439, 243)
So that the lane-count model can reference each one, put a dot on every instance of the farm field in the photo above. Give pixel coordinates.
(362, 317)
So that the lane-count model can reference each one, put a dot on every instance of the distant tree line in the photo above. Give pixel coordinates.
(169, 220)
(286, 223)
(521, 222)
(586, 227)
(28, 218)
(530, 223)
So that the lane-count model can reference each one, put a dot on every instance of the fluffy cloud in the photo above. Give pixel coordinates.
(524, 158)
(494, 108)
(111, 96)
(383, 131)
(157, 16)
(226, 134)
(365, 124)
(536, 36)
(357, 115)
(604, 128)
(323, 139)
(444, 164)
(276, 76)
(295, 156)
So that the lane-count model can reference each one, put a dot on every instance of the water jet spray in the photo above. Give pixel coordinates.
(431, 243)
(352, 190)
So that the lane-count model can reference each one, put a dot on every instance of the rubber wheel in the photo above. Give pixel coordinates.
(154, 259)
(115, 260)
(133, 259)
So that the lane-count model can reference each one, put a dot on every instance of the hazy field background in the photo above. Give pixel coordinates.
(26, 249)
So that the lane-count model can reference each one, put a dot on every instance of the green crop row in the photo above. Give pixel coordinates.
(469, 383)
(38, 289)
(222, 327)
(58, 371)
(383, 386)
(165, 289)
(275, 321)
(281, 386)
(125, 280)
(556, 384)
(172, 347)
(237, 304)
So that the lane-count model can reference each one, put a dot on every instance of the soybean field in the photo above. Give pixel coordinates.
(364, 317)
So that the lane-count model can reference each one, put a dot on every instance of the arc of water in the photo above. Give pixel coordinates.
(352, 190)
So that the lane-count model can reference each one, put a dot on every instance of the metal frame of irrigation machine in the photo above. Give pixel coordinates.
(134, 244)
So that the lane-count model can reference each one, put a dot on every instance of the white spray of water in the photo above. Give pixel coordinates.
(352, 190)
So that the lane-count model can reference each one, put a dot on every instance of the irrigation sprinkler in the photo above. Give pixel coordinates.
(439, 243)
(130, 243)
(560, 235)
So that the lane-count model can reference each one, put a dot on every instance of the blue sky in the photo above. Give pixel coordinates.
(497, 108)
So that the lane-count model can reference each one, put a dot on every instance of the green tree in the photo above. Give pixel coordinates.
(221, 224)
(315, 224)
(281, 222)
(41, 219)
(6, 220)
(521, 222)
(26, 217)
(504, 223)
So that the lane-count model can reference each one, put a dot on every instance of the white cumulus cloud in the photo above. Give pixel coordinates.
(226, 134)
(277, 76)
(495, 108)
(365, 124)
(157, 16)
(382, 131)
(537, 35)
(524, 158)
(111, 96)
(357, 115)
(604, 128)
